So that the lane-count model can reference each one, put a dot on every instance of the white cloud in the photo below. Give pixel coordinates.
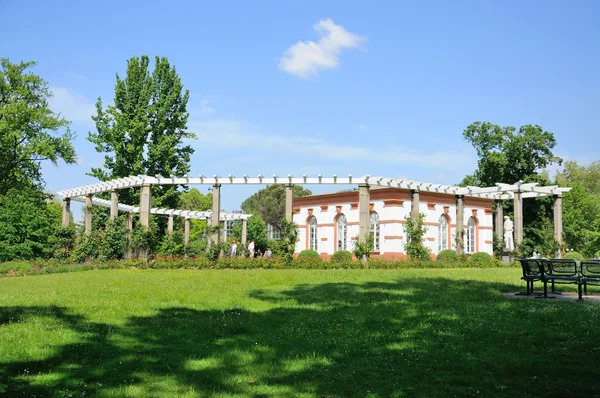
(307, 59)
(234, 135)
(72, 105)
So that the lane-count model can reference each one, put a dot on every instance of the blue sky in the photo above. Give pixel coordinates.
(333, 87)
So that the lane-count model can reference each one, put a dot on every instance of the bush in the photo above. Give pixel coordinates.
(341, 256)
(481, 257)
(573, 256)
(309, 254)
(447, 255)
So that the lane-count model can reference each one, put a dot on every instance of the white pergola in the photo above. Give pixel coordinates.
(516, 192)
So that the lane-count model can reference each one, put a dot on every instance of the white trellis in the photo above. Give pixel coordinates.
(501, 191)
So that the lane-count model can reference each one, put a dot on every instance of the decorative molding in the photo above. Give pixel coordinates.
(324, 239)
(430, 206)
(393, 237)
(392, 221)
(491, 242)
(324, 208)
(353, 205)
(429, 238)
(488, 211)
(338, 210)
(393, 202)
(326, 225)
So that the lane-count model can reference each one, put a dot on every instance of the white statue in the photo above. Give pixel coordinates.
(508, 234)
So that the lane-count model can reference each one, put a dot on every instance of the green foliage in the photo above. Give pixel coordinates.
(171, 245)
(113, 245)
(289, 237)
(269, 203)
(196, 248)
(310, 253)
(144, 131)
(481, 257)
(447, 255)
(256, 230)
(66, 242)
(89, 246)
(415, 232)
(573, 256)
(363, 250)
(28, 128)
(581, 208)
(341, 256)
(508, 156)
(196, 200)
(143, 240)
(27, 225)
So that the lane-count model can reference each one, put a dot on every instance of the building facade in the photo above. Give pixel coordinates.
(330, 222)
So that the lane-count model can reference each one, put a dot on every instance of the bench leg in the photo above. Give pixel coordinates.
(554, 291)
(528, 292)
(585, 288)
(545, 296)
(579, 292)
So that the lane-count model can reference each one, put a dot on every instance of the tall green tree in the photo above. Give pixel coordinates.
(143, 132)
(269, 203)
(581, 207)
(507, 155)
(30, 133)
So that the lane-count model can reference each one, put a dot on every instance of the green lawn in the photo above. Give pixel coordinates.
(291, 333)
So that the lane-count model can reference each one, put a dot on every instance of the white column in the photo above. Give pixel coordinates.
(128, 229)
(88, 214)
(518, 208)
(414, 205)
(170, 225)
(558, 224)
(364, 212)
(186, 232)
(289, 202)
(460, 223)
(66, 212)
(216, 210)
(499, 222)
(145, 199)
(114, 204)
(244, 231)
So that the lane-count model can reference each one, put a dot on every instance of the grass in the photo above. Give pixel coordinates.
(292, 333)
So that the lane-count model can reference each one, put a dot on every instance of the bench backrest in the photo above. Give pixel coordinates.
(561, 267)
(530, 266)
(590, 268)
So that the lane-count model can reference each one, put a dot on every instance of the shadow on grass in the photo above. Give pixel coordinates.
(418, 336)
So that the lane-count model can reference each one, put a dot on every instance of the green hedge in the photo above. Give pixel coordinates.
(573, 256)
(310, 253)
(37, 267)
(481, 257)
(447, 255)
(341, 256)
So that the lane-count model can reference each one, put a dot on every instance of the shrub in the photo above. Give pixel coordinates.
(481, 258)
(309, 254)
(573, 256)
(341, 256)
(415, 233)
(447, 255)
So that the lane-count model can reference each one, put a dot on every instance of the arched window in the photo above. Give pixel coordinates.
(470, 236)
(342, 232)
(312, 233)
(443, 234)
(374, 230)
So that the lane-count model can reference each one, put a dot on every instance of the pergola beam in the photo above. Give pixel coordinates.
(197, 215)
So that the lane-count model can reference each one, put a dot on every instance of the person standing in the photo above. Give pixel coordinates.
(251, 248)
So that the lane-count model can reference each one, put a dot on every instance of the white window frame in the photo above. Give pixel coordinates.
(312, 234)
(471, 236)
(342, 233)
(443, 234)
(375, 230)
